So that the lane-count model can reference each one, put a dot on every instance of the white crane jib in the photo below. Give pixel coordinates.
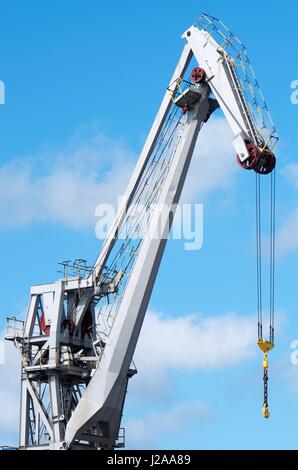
(80, 332)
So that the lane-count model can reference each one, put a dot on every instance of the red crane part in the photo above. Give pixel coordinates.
(198, 75)
(252, 161)
(266, 164)
(43, 326)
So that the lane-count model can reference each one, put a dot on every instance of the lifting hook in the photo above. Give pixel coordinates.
(265, 347)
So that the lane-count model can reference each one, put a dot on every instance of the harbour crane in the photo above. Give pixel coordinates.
(80, 333)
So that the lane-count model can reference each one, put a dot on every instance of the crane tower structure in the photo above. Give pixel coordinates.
(79, 336)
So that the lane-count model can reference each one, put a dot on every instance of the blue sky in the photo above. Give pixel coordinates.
(83, 82)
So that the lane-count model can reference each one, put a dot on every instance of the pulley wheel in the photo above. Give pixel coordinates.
(252, 161)
(198, 75)
(266, 164)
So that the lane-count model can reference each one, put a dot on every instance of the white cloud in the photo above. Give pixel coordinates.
(2, 352)
(204, 342)
(166, 344)
(145, 433)
(64, 186)
(9, 396)
(287, 235)
(213, 164)
(183, 345)
(287, 232)
(290, 374)
(290, 173)
(189, 343)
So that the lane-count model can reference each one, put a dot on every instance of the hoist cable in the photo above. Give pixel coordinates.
(265, 346)
(272, 256)
(259, 257)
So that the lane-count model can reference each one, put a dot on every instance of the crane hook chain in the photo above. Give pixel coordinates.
(266, 413)
(265, 346)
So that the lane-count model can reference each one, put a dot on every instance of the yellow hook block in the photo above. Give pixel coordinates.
(265, 361)
(265, 346)
(266, 413)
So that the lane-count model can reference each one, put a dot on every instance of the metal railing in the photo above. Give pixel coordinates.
(235, 55)
(120, 441)
(75, 269)
(14, 328)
